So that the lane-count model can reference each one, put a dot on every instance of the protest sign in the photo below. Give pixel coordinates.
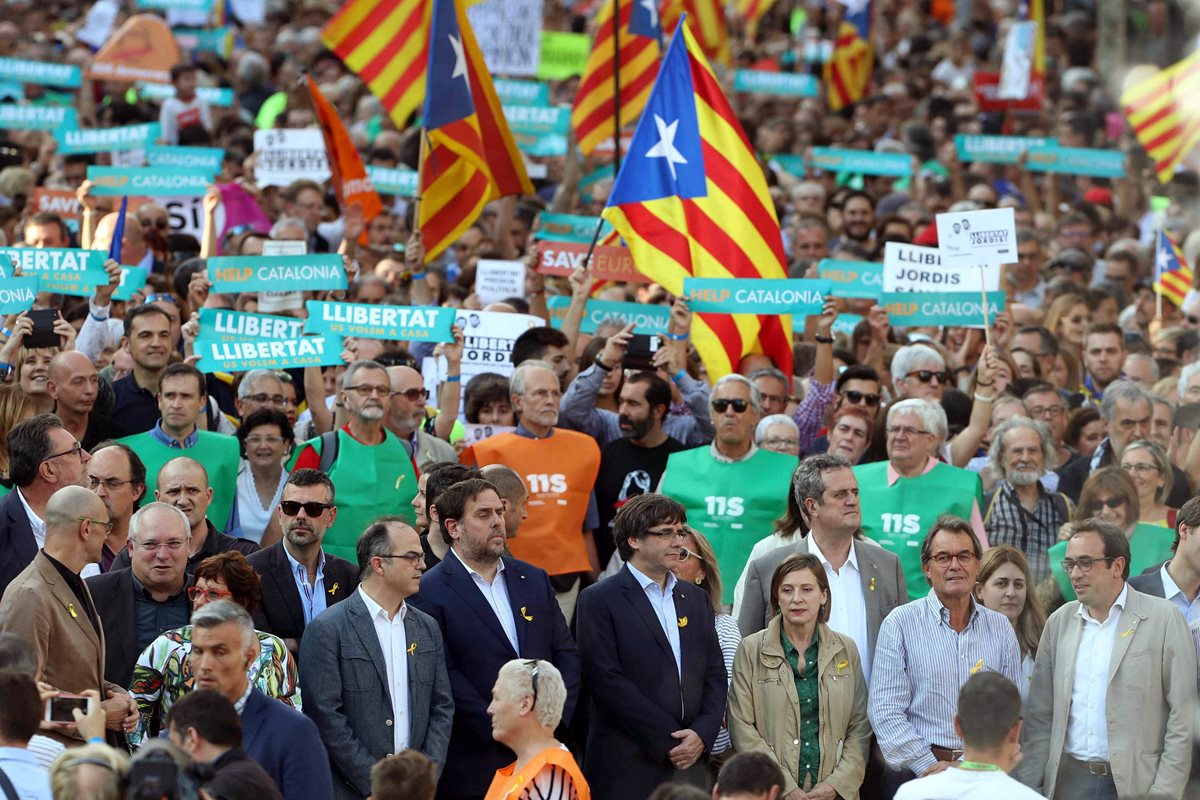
(133, 279)
(20, 117)
(101, 140)
(791, 164)
(205, 159)
(645, 319)
(801, 297)
(521, 93)
(987, 91)
(866, 162)
(399, 181)
(220, 96)
(609, 262)
(1017, 67)
(179, 5)
(497, 280)
(539, 131)
(476, 432)
(947, 309)
(314, 272)
(367, 321)
(285, 155)
(40, 72)
(563, 55)
(240, 356)
(986, 149)
(272, 302)
(912, 268)
(861, 280)
(60, 270)
(488, 340)
(845, 323)
(787, 84)
(971, 238)
(206, 40)
(149, 181)
(509, 43)
(569, 228)
(143, 49)
(58, 201)
(98, 24)
(17, 294)
(1089, 161)
(240, 326)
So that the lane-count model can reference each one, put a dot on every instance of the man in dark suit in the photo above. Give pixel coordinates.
(43, 458)
(299, 579)
(139, 603)
(1178, 579)
(491, 609)
(375, 680)
(206, 726)
(651, 660)
(283, 741)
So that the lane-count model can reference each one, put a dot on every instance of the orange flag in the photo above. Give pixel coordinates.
(350, 179)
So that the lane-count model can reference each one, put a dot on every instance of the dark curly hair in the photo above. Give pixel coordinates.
(232, 569)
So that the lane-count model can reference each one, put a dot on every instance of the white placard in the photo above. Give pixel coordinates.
(477, 432)
(497, 280)
(510, 44)
(1015, 70)
(186, 215)
(489, 337)
(270, 302)
(285, 247)
(283, 155)
(971, 238)
(912, 268)
(98, 24)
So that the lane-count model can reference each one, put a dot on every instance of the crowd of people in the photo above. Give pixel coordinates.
(928, 562)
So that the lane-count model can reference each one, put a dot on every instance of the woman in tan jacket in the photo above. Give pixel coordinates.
(798, 691)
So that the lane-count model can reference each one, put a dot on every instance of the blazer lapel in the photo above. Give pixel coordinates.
(285, 584)
(687, 617)
(869, 575)
(364, 628)
(636, 596)
(1127, 625)
(69, 602)
(464, 586)
(1067, 655)
(518, 597)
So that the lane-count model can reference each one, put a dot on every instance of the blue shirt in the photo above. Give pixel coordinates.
(156, 433)
(663, 602)
(312, 598)
(29, 778)
(155, 618)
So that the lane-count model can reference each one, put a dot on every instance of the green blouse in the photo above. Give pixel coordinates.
(808, 690)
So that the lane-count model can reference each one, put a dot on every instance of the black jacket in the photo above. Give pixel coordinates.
(280, 612)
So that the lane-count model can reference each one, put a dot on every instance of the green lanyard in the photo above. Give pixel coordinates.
(977, 766)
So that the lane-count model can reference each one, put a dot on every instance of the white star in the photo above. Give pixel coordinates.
(460, 61)
(854, 6)
(1164, 259)
(653, 11)
(665, 148)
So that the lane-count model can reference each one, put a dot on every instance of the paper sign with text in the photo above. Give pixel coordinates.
(17, 294)
(569, 228)
(497, 280)
(103, 140)
(609, 262)
(240, 326)
(845, 323)
(488, 340)
(860, 280)
(788, 84)
(947, 309)
(61, 270)
(58, 201)
(912, 268)
(1090, 161)
(521, 93)
(369, 321)
(647, 319)
(133, 279)
(219, 96)
(539, 131)
(971, 238)
(563, 55)
(387, 180)
(477, 432)
(40, 72)
(508, 35)
(20, 117)
(801, 297)
(150, 181)
(305, 351)
(232, 274)
(285, 155)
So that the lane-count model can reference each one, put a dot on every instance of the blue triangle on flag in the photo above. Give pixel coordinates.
(448, 96)
(644, 21)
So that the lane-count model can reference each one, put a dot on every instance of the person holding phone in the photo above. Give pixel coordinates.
(38, 335)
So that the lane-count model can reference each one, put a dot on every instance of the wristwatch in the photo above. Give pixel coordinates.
(601, 364)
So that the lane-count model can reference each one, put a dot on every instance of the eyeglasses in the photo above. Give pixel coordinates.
(1141, 469)
(533, 675)
(773, 398)
(76, 450)
(365, 390)
(112, 484)
(1112, 502)
(1085, 564)
(172, 545)
(1037, 412)
(926, 375)
(108, 526)
(271, 399)
(669, 533)
(313, 509)
(903, 430)
(412, 558)
(739, 405)
(195, 592)
(413, 394)
(776, 441)
(966, 558)
(159, 298)
(685, 554)
(859, 398)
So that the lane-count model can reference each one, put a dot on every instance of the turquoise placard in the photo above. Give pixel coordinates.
(647, 319)
(539, 131)
(859, 280)
(587, 181)
(1089, 161)
(133, 279)
(19, 70)
(569, 228)
(305, 351)
(205, 40)
(791, 164)
(103, 140)
(997, 149)
(788, 84)
(20, 117)
(59, 270)
(241, 326)
(801, 297)
(309, 273)
(846, 323)
(149, 181)
(206, 159)
(176, 5)
(12, 91)
(17, 294)
(521, 93)
(393, 181)
(368, 321)
(949, 309)
(865, 162)
(213, 95)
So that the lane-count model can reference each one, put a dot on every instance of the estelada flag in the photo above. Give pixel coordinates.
(470, 155)
(1172, 275)
(848, 72)
(691, 201)
(350, 179)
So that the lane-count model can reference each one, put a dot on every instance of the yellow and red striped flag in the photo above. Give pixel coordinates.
(1163, 111)
(691, 201)
(753, 11)
(639, 44)
(471, 157)
(1172, 275)
(848, 72)
(709, 25)
(386, 43)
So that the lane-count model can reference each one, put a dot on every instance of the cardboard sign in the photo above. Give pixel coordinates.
(647, 319)
(239, 326)
(369, 321)
(1017, 67)
(233, 274)
(20, 117)
(40, 72)
(860, 280)
(60, 270)
(143, 49)
(102, 140)
(399, 181)
(564, 55)
(497, 280)
(971, 238)
(787, 84)
(609, 262)
(1089, 161)
(285, 155)
(476, 432)
(510, 44)
(570, 228)
(305, 351)
(865, 162)
(996, 149)
(801, 297)
(149, 181)
(204, 159)
(946, 309)
(133, 280)
(488, 340)
(912, 268)
(987, 93)
(17, 294)
(521, 93)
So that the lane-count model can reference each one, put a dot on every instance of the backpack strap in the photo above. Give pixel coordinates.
(989, 500)
(329, 450)
(6, 786)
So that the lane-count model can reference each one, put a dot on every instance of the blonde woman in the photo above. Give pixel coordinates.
(15, 406)
(1005, 584)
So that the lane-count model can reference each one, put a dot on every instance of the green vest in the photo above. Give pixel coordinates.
(369, 481)
(733, 504)
(899, 516)
(1149, 545)
(220, 454)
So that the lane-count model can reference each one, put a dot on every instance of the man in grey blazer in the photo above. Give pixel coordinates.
(357, 650)
(1112, 703)
(865, 581)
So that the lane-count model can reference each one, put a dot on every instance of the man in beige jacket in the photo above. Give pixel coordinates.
(1111, 706)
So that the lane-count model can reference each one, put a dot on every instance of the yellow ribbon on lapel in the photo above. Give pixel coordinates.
(71, 611)
(872, 584)
(1126, 633)
(412, 648)
(524, 616)
(842, 665)
(683, 622)
(335, 588)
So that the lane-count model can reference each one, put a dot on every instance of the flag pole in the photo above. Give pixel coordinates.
(421, 155)
(616, 37)
(587, 259)
(987, 328)
(1157, 276)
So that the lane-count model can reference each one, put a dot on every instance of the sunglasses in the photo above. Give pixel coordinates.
(926, 375)
(291, 508)
(413, 394)
(739, 405)
(533, 676)
(1112, 502)
(859, 398)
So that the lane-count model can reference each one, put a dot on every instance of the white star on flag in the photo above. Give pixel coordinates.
(854, 6)
(652, 9)
(665, 147)
(1164, 259)
(460, 61)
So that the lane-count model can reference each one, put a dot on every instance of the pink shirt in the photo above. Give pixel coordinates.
(976, 517)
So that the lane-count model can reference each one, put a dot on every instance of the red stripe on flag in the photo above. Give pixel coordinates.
(409, 28)
(733, 183)
(369, 25)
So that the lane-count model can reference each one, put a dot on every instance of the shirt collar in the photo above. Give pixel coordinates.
(300, 569)
(528, 434)
(646, 581)
(1170, 588)
(724, 459)
(816, 551)
(893, 475)
(473, 573)
(33, 517)
(939, 610)
(189, 441)
(240, 705)
(374, 610)
(1114, 611)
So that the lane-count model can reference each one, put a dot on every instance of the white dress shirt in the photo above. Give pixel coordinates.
(847, 607)
(663, 603)
(394, 644)
(496, 595)
(1087, 721)
(36, 523)
(1171, 591)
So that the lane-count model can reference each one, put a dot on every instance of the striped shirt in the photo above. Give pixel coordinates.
(1009, 522)
(921, 664)
(729, 636)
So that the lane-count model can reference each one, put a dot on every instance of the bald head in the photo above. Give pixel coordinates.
(183, 467)
(69, 362)
(67, 505)
(407, 411)
(73, 384)
(133, 245)
(512, 493)
(183, 483)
